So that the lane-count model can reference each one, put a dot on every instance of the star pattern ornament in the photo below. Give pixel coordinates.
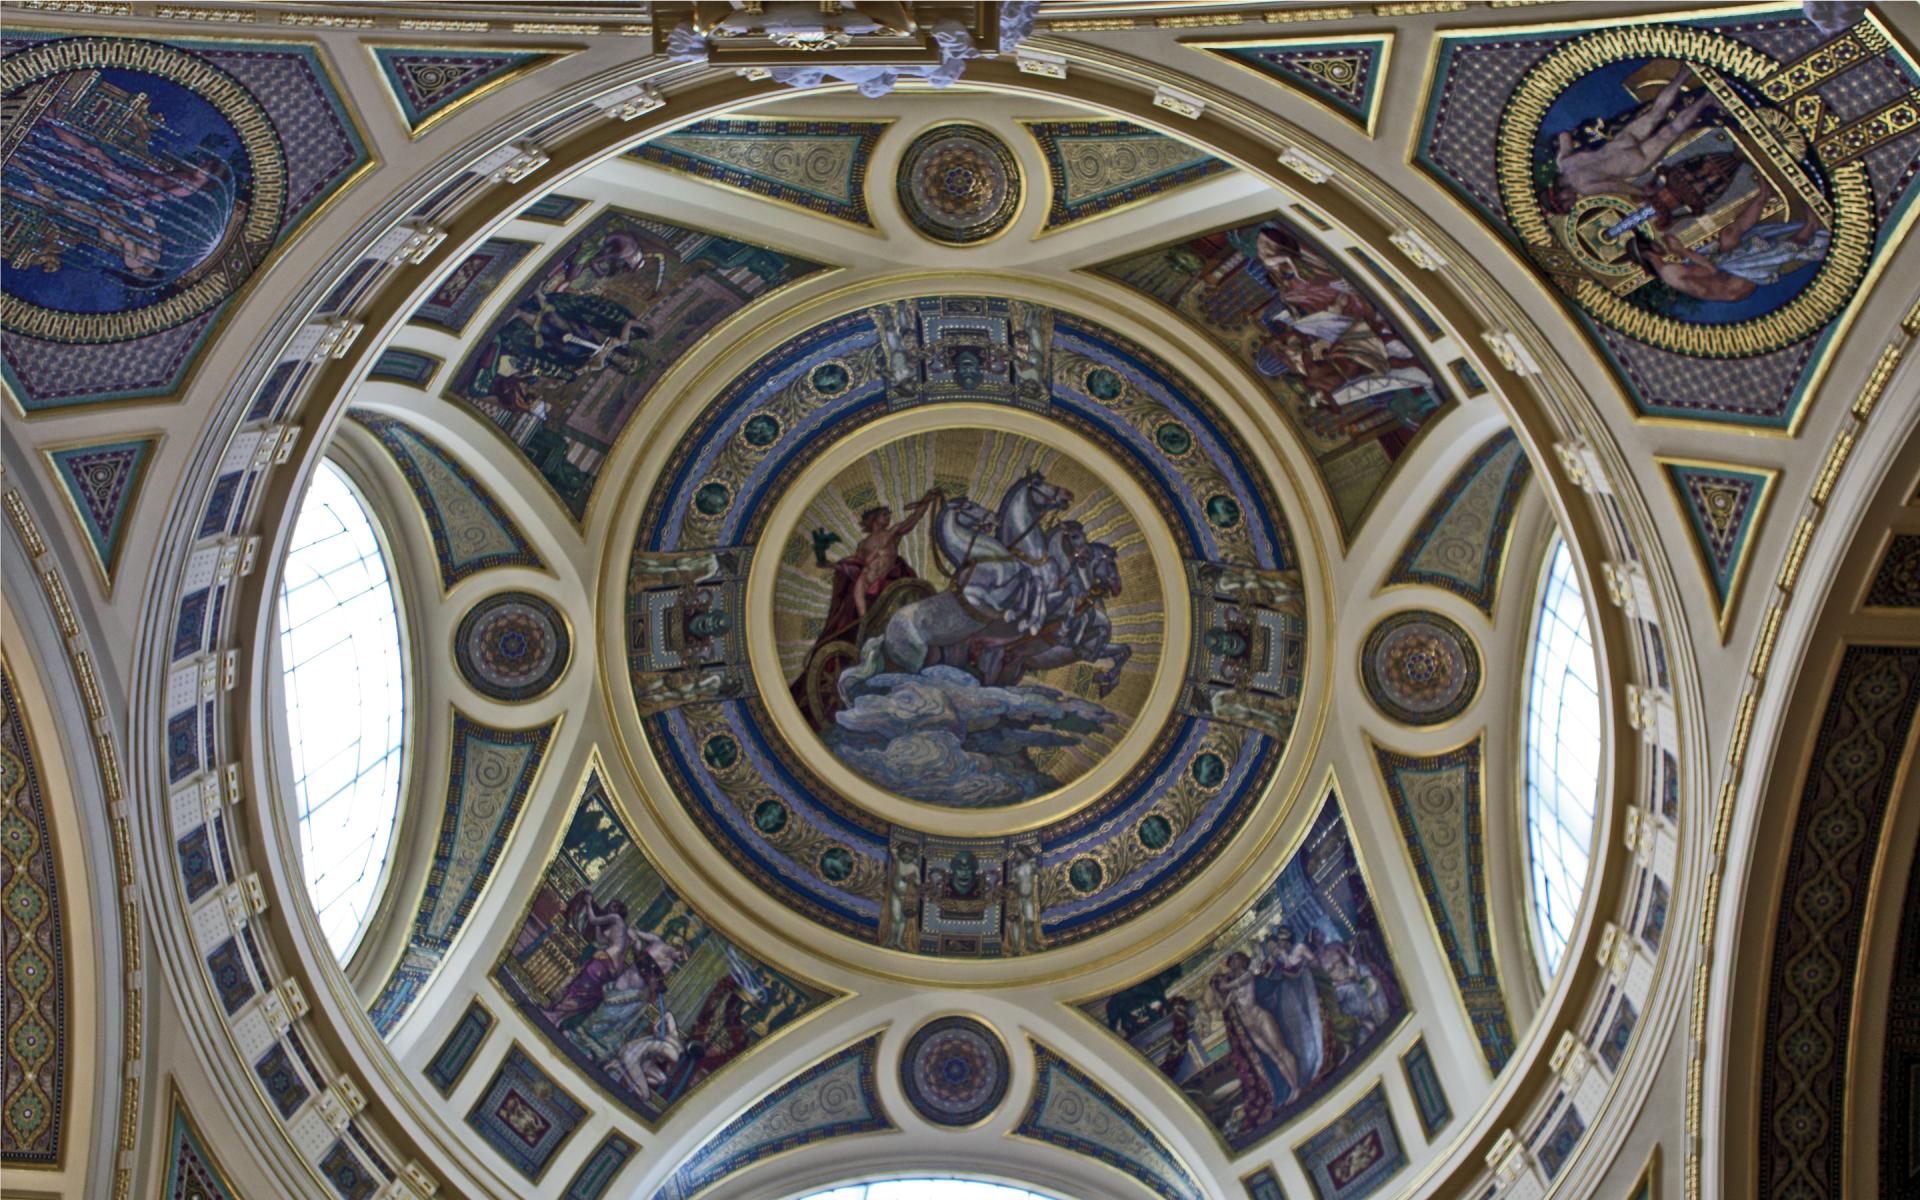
(1722, 504)
(102, 482)
(429, 83)
(1343, 75)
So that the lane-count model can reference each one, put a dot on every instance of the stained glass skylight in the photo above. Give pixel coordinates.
(346, 700)
(1562, 748)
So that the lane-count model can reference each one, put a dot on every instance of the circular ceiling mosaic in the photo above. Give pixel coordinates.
(1420, 668)
(512, 646)
(959, 184)
(951, 557)
(954, 1071)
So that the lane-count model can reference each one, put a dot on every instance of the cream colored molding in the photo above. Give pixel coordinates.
(1305, 165)
(1179, 103)
(1039, 62)
(1419, 251)
(1511, 351)
(1583, 467)
(633, 100)
(511, 163)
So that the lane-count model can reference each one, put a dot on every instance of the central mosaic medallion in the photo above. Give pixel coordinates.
(972, 617)
(959, 184)
(948, 556)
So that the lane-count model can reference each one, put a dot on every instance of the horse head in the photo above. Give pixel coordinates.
(1103, 570)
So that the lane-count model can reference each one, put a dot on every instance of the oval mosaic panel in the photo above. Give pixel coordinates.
(512, 646)
(1420, 668)
(959, 184)
(954, 1071)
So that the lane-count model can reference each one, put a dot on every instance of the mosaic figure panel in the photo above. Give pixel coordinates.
(1036, 707)
(1354, 385)
(33, 1058)
(619, 973)
(954, 1071)
(1274, 1013)
(1718, 189)
(881, 459)
(145, 184)
(562, 371)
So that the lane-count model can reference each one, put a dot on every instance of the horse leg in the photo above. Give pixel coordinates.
(1111, 676)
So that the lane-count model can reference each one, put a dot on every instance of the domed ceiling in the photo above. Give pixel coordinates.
(1083, 617)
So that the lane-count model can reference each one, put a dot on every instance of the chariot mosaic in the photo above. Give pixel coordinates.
(964, 553)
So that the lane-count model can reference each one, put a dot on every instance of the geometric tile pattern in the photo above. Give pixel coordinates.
(1462, 540)
(1896, 581)
(101, 483)
(1559, 1145)
(344, 1171)
(405, 366)
(954, 1071)
(1343, 75)
(836, 1097)
(553, 209)
(33, 989)
(1722, 505)
(461, 294)
(490, 773)
(471, 532)
(525, 1115)
(1356, 1154)
(431, 82)
(596, 1175)
(818, 166)
(191, 1173)
(1823, 906)
(1097, 167)
(455, 1054)
(1423, 1080)
(1069, 1110)
(1900, 1071)
(1437, 801)
(1420, 668)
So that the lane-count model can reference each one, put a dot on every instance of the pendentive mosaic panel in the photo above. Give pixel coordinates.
(954, 1071)
(1461, 542)
(145, 183)
(1354, 386)
(1708, 197)
(1069, 1110)
(431, 82)
(470, 531)
(820, 165)
(1722, 505)
(33, 1058)
(1152, 658)
(1420, 667)
(836, 1097)
(1098, 167)
(102, 482)
(489, 773)
(1357, 1154)
(1851, 774)
(524, 1115)
(563, 370)
(1344, 74)
(1438, 803)
(191, 1173)
(622, 976)
(959, 184)
(1273, 1013)
(512, 646)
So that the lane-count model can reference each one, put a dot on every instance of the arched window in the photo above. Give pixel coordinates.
(927, 1189)
(1562, 756)
(346, 703)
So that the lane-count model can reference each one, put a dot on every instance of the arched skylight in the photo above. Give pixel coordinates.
(1562, 756)
(346, 703)
(927, 1189)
